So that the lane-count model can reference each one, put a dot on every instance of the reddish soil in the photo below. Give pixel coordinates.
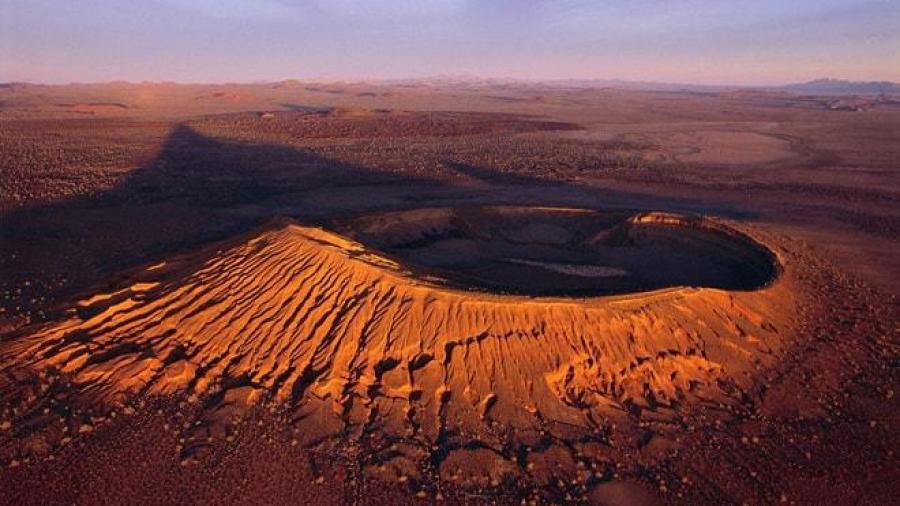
(333, 294)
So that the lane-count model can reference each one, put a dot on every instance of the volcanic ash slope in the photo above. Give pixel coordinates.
(350, 343)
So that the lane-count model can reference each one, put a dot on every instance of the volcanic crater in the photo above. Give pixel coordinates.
(553, 251)
(383, 330)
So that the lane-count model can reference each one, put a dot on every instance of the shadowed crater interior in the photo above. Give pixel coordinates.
(562, 251)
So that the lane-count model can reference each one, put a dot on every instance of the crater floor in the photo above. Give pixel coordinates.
(562, 251)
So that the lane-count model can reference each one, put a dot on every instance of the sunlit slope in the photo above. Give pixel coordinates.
(349, 340)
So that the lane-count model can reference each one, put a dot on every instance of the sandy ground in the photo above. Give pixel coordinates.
(193, 311)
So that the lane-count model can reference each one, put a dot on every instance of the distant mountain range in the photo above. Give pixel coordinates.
(842, 87)
(816, 87)
(825, 86)
(466, 81)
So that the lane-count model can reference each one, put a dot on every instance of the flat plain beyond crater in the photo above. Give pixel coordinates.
(498, 294)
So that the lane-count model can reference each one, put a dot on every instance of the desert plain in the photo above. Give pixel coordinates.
(461, 293)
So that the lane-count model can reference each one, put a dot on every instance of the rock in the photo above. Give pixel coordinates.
(623, 493)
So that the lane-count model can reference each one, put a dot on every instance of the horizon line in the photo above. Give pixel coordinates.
(448, 77)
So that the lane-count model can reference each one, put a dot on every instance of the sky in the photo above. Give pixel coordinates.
(684, 41)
